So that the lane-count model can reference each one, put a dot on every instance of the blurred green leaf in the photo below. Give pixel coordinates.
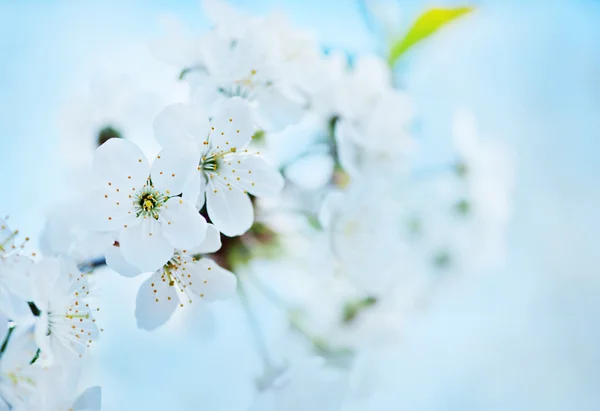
(427, 24)
(353, 308)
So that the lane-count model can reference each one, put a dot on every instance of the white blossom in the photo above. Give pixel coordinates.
(65, 326)
(189, 275)
(227, 168)
(66, 234)
(142, 203)
(373, 129)
(17, 377)
(239, 58)
(15, 286)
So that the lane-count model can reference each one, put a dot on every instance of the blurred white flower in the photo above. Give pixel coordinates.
(487, 165)
(17, 378)
(142, 203)
(56, 390)
(239, 58)
(373, 129)
(188, 275)
(226, 170)
(304, 152)
(65, 234)
(119, 91)
(65, 326)
(365, 217)
(15, 284)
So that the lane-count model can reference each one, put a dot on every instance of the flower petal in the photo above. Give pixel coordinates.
(349, 155)
(193, 190)
(211, 243)
(42, 338)
(115, 261)
(89, 400)
(210, 281)
(13, 306)
(144, 246)
(120, 164)
(230, 210)
(181, 124)
(329, 208)
(156, 301)
(232, 125)
(183, 225)
(173, 168)
(253, 174)
(276, 110)
(108, 210)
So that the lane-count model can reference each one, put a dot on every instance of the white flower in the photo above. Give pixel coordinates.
(15, 286)
(187, 276)
(238, 60)
(142, 203)
(17, 377)
(55, 389)
(65, 234)
(488, 168)
(54, 392)
(365, 217)
(245, 69)
(65, 326)
(128, 86)
(226, 170)
(373, 128)
(303, 152)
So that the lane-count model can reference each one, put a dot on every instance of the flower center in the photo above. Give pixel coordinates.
(148, 203)
(243, 87)
(209, 163)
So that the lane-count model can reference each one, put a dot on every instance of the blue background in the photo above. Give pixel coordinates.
(524, 337)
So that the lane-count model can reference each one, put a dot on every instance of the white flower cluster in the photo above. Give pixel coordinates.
(363, 232)
(46, 326)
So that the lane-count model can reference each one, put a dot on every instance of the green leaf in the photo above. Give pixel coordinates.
(353, 308)
(427, 24)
